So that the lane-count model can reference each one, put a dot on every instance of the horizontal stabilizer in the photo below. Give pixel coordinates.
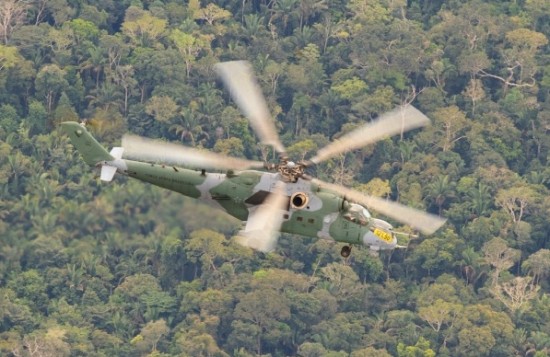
(107, 173)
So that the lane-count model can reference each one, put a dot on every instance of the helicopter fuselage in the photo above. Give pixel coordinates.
(311, 210)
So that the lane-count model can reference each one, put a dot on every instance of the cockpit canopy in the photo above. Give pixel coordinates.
(357, 214)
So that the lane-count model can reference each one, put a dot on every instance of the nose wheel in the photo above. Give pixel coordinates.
(346, 251)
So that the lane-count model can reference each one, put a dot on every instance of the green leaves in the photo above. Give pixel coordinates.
(126, 269)
(350, 88)
(142, 27)
(9, 56)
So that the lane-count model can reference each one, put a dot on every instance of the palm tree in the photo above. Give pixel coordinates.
(253, 25)
(106, 96)
(302, 36)
(473, 266)
(124, 77)
(330, 104)
(76, 277)
(480, 197)
(18, 165)
(45, 225)
(406, 149)
(439, 190)
(187, 125)
(538, 265)
(284, 10)
(210, 104)
(309, 8)
(95, 62)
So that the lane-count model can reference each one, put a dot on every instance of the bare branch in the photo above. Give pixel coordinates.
(516, 293)
(12, 14)
(507, 81)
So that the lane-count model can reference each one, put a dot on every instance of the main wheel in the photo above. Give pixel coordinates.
(346, 251)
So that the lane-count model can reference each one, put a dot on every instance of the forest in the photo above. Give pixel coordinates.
(128, 269)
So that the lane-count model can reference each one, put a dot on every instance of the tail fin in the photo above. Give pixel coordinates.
(92, 152)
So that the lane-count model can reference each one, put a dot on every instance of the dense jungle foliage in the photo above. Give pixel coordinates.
(126, 269)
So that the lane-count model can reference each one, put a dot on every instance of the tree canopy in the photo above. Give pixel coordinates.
(126, 269)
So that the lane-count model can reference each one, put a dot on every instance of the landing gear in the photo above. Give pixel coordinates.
(346, 251)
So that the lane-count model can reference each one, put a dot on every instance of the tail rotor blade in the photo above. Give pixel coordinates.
(397, 121)
(139, 148)
(245, 91)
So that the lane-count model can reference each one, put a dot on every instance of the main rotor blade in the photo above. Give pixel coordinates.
(424, 222)
(397, 121)
(136, 147)
(245, 91)
(264, 222)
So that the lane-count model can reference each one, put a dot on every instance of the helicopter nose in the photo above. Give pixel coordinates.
(380, 239)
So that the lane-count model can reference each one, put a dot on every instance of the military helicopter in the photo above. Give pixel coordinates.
(279, 198)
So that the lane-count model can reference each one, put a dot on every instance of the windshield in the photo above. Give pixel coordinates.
(357, 214)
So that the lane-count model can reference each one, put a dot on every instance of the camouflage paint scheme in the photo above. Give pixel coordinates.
(322, 214)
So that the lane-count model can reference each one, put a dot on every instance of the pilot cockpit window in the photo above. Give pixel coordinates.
(357, 214)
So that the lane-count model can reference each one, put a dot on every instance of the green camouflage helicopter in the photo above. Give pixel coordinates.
(282, 198)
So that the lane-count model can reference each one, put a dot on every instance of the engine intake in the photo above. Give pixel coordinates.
(299, 200)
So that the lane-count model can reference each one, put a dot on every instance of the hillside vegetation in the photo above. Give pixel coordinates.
(127, 269)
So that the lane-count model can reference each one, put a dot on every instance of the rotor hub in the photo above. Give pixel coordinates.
(290, 171)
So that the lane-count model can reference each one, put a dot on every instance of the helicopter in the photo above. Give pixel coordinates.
(268, 198)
